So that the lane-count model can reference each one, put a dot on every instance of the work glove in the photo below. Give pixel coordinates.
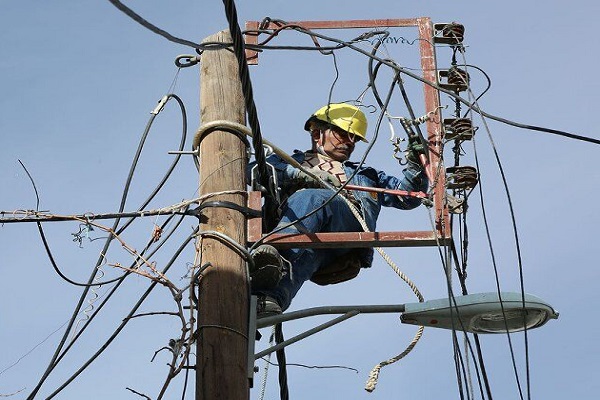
(414, 149)
(306, 181)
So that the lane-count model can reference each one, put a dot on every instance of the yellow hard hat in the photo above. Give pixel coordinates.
(344, 116)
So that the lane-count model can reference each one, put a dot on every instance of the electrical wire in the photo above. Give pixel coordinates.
(450, 93)
(271, 203)
(406, 71)
(116, 286)
(461, 264)
(137, 18)
(518, 250)
(495, 268)
(126, 319)
(475, 108)
(125, 192)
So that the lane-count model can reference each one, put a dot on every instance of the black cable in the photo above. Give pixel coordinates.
(483, 375)
(104, 251)
(175, 39)
(126, 319)
(450, 93)
(519, 258)
(461, 264)
(270, 205)
(373, 71)
(458, 358)
(185, 381)
(137, 18)
(281, 363)
(495, 268)
(488, 87)
(59, 272)
(454, 309)
(114, 289)
(519, 263)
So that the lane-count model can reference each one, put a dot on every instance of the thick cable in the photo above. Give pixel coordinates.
(495, 268)
(453, 309)
(518, 249)
(244, 74)
(137, 18)
(451, 93)
(281, 362)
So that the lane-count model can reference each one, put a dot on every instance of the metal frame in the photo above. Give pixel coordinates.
(346, 312)
(435, 170)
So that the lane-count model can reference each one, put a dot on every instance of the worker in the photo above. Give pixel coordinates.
(334, 130)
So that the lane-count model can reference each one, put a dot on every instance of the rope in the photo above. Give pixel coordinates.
(263, 385)
(374, 374)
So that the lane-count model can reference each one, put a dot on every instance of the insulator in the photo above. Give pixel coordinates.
(457, 76)
(454, 31)
(461, 177)
(449, 33)
(458, 129)
(457, 79)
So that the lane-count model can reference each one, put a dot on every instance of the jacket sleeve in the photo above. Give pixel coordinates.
(414, 179)
(286, 174)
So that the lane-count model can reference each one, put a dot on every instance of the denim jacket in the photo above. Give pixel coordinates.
(414, 180)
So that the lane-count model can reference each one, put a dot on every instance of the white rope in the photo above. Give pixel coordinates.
(263, 385)
(374, 374)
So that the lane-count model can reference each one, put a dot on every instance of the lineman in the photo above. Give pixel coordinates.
(334, 129)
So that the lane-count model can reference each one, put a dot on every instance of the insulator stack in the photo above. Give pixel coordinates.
(457, 76)
(449, 33)
(454, 79)
(461, 177)
(458, 129)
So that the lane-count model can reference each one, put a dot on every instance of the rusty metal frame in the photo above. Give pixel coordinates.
(434, 170)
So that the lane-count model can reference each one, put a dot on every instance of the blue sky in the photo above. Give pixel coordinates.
(80, 79)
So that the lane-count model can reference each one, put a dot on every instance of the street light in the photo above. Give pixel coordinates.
(481, 313)
(476, 313)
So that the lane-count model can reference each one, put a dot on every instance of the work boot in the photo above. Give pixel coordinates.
(267, 307)
(267, 270)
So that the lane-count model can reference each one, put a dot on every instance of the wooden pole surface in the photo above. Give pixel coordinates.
(223, 294)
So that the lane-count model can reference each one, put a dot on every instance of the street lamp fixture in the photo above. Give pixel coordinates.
(481, 313)
(476, 313)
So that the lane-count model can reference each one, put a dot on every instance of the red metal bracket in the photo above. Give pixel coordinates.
(435, 170)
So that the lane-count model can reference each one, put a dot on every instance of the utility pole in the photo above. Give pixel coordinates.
(223, 290)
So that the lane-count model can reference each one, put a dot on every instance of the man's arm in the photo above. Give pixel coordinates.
(413, 179)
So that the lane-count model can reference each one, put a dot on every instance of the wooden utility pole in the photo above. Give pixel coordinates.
(222, 342)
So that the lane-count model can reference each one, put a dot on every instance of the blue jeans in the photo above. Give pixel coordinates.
(336, 216)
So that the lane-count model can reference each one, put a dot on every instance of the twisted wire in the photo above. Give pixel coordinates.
(244, 73)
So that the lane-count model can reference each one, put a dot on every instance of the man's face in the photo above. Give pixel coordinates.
(337, 143)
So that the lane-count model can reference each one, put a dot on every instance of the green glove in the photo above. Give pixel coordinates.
(414, 149)
(307, 181)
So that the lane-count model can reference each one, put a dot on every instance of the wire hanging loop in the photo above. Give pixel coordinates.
(187, 60)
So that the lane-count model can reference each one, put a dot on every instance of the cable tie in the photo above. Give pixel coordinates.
(248, 212)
